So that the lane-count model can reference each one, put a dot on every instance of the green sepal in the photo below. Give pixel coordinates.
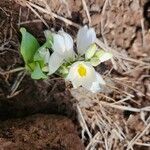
(37, 73)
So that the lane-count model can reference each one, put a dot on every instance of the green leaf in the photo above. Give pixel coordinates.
(29, 46)
(37, 73)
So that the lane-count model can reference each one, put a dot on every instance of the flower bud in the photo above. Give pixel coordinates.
(102, 55)
(90, 51)
(94, 61)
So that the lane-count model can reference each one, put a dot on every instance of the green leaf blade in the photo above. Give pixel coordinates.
(29, 46)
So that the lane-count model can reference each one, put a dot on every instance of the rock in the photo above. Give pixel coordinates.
(39, 132)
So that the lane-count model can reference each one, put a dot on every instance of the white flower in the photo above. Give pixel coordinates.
(85, 37)
(63, 46)
(83, 74)
(63, 50)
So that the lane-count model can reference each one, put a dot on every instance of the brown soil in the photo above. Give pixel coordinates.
(39, 132)
(119, 27)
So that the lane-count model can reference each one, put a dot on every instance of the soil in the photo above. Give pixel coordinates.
(47, 97)
(119, 25)
(39, 132)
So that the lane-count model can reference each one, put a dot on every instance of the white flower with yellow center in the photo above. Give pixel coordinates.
(63, 46)
(83, 74)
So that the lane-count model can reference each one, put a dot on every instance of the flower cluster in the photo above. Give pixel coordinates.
(74, 64)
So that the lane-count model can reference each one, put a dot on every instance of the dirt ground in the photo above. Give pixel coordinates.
(39, 132)
(106, 121)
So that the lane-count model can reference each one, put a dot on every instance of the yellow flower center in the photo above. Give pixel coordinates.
(81, 70)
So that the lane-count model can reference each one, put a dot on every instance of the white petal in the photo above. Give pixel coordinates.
(63, 44)
(58, 44)
(91, 73)
(67, 39)
(100, 79)
(73, 77)
(55, 61)
(69, 52)
(85, 38)
(72, 72)
(76, 83)
(106, 56)
(96, 85)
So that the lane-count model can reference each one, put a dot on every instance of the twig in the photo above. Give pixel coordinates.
(138, 137)
(142, 144)
(67, 21)
(132, 109)
(29, 21)
(20, 13)
(93, 140)
(48, 8)
(82, 122)
(87, 11)
(118, 55)
(130, 87)
(12, 71)
(143, 31)
(38, 15)
(16, 84)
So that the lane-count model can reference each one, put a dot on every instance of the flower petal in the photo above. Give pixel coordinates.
(96, 85)
(58, 44)
(55, 61)
(85, 38)
(67, 39)
(100, 79)
(69, 52)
